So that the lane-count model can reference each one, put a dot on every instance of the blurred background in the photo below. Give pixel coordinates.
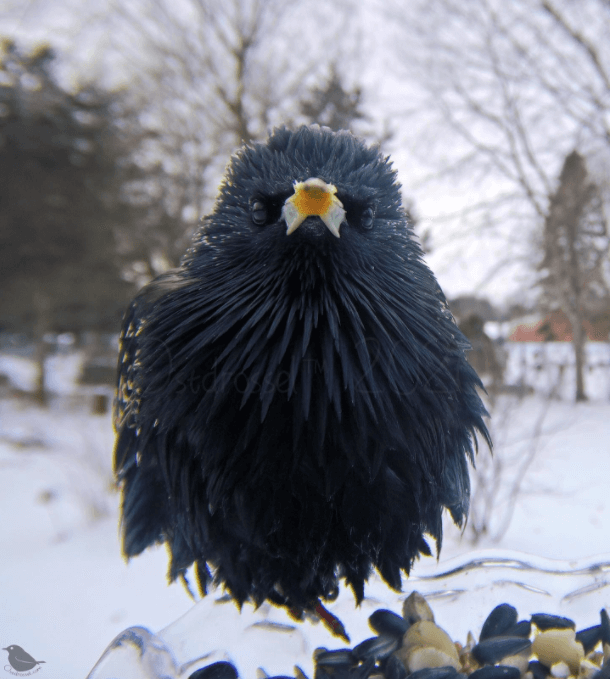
(116, 122)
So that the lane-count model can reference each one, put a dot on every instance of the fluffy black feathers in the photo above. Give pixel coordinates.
(293, 409)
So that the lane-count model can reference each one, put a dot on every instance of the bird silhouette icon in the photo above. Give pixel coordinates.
(19, 659)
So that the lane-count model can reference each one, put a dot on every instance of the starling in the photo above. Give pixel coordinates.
(294, 403)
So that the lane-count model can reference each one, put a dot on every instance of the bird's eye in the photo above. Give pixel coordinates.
(367, 217)
(258, 210)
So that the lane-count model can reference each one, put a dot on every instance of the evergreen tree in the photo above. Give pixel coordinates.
(332, 105)
(575, 247)
(61, 177)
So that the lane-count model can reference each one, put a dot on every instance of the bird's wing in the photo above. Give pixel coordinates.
(144, 509)
(22, 656)
(129, 393)
(126, 402)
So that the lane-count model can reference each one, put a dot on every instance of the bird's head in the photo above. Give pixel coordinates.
(306, 189)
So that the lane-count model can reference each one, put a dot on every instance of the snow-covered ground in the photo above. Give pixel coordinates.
(65, 590)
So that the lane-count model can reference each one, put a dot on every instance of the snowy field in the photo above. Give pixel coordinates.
(65, 591)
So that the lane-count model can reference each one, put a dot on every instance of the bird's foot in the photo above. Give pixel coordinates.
(330, 621)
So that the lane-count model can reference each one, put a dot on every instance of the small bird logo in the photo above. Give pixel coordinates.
(19, 659)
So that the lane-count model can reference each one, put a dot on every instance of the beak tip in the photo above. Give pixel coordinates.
(295, 210)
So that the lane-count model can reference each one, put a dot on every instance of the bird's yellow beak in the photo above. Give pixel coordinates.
(313, 197)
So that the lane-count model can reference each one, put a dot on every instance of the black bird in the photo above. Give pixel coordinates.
(20, 660)
(294, 403)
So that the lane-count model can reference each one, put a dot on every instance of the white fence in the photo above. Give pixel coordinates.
(548, 367)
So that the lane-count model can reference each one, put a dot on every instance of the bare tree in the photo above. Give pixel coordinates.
(499, 94)
(206, 77)
(508, 90)
(499, 478)
(521, 423)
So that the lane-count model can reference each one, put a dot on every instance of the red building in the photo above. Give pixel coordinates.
(555, 327)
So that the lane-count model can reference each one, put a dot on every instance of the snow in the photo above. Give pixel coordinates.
(66, 592)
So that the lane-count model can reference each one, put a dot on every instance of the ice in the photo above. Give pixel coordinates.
(136, 653)
(461, 595)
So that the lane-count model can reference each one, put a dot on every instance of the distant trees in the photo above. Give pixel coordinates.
(219, 75)
(575, 248)
(330, 104)
(100, 190)
(504, 94)
(203, 81)
(500, 93)
(61, 179)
